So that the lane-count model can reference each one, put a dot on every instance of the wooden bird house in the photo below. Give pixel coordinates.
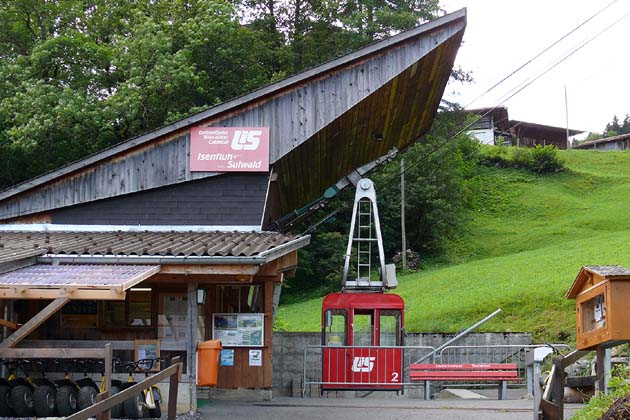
(602, 296)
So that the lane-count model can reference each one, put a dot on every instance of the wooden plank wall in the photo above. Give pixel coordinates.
(293, 116)
(241, 375)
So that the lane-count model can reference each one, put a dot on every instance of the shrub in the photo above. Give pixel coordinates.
(604, 406)
(545, 159)
(521, 157)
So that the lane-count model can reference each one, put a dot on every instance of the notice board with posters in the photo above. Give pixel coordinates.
(239, 330)
(229, 149)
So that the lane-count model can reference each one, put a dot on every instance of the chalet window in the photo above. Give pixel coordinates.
(240, 299)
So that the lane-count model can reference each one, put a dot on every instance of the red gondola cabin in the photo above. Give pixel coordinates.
(361, 332)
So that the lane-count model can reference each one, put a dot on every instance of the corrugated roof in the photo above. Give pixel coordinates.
(79, 275)
(16, 245)
(590, 143)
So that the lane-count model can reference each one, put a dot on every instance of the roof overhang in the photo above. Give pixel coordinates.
(590, 276)
(74, 281)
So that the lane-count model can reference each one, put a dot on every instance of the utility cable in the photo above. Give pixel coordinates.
(553, 44)
(517, 91)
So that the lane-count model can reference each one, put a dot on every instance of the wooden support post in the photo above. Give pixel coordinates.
(172, 390)
(558, 387)
(109, 355)
(105, 415)
(191, 345)
(34, 322)
(602, 370)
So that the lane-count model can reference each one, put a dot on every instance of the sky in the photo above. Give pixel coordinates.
(501, 35)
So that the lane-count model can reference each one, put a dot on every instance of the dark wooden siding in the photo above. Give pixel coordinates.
(231, 199)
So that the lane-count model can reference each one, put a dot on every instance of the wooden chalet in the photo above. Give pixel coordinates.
(144, 240)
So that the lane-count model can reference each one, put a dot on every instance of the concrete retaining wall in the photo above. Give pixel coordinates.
(288, 352)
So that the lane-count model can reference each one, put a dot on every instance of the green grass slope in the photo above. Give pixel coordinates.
(528, 238)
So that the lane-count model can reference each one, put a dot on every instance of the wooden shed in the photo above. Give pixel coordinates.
(601, 296)
(153, 239)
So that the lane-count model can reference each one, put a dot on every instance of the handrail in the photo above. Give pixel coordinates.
(460, 335)
(174, 372)
(505, 346)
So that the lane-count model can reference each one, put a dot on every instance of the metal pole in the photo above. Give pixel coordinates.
(566, 111)
(402, 214)
(461, 334)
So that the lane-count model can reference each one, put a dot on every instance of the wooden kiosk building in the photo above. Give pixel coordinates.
(153, 239)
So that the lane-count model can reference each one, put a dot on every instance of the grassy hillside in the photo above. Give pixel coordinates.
(529, 236)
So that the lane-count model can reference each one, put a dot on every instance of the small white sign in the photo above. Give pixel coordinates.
(255, 357)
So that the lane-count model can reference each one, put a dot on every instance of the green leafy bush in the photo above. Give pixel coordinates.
(540, 159)
(521, 157)
(545, 159)
(619, 386)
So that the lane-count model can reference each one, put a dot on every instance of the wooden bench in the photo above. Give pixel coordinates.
(467, 372)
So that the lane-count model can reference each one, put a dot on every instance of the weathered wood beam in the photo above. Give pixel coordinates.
(118, 398)
(191, 345)
(248, 269)
(25, 292)
(34, 322)
(8, 324)
(51, 353)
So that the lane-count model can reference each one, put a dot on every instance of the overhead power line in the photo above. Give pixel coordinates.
(550, 46)
(519, 88)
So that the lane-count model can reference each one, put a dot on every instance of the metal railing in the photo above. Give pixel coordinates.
(503, 353)
(345, 367)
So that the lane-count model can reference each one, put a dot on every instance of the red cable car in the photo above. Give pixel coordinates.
(362, 327)
(360, 332)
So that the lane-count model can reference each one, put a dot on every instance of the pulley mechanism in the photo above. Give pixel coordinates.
(364, 252)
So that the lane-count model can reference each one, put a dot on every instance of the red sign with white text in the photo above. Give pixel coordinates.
(229, 149)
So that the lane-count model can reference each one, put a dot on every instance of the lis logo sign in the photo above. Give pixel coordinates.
(363, 364)
(246, 139)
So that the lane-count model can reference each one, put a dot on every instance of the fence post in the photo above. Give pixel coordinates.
(173, 388)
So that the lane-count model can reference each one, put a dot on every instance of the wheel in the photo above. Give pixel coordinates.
(44, 400)
(134, 407)
(5, 403)
(156, 412)
(22, 401)
(117, 410)
(86, 397)
(66, 400)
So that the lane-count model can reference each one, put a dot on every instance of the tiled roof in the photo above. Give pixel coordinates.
(609, 270)
(16, 245)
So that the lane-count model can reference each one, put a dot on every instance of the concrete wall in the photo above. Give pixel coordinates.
(288, 352)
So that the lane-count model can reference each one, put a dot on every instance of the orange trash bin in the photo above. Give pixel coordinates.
(208, 356)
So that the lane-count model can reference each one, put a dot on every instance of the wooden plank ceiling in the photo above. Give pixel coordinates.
(395, 115)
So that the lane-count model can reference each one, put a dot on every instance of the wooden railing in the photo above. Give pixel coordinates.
(105, 401)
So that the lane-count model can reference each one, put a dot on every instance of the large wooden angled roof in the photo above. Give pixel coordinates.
(324, 123)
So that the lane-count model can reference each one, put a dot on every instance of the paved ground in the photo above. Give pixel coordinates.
(368, 409)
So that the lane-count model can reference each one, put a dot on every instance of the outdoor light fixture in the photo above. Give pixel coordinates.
(378, 137)
(201, 296)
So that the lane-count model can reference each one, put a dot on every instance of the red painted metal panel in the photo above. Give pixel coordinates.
(464, 375)
(362, 368)
(463, 366)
